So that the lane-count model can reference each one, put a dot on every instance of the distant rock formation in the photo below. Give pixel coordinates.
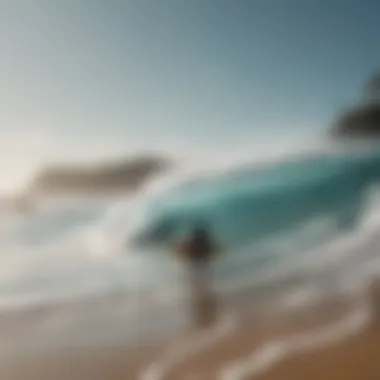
(124, 175)
(362, 121)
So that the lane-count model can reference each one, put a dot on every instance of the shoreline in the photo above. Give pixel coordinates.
(236, 341)
(353, 358)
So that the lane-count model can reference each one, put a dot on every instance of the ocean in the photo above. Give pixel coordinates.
(293, 229)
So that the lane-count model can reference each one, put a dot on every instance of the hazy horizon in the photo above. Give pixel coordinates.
(94, 79)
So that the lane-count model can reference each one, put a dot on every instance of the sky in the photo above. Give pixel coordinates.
(85, 77)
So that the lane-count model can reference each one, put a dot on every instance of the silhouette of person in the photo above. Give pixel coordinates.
(198, 252)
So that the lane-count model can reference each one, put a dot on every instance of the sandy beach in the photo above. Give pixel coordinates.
(315, 343)
(353, 358)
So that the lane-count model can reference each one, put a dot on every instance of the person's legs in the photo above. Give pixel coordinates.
(203, 299)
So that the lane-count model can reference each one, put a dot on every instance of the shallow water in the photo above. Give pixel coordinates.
(272, 221)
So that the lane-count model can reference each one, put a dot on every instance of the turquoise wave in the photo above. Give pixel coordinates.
(253, 203)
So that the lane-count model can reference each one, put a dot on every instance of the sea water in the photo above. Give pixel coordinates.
(301, 225)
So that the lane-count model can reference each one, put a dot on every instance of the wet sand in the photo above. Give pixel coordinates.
(354, 358)
(213, 353)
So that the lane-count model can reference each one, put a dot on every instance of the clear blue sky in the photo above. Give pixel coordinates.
(195, 71)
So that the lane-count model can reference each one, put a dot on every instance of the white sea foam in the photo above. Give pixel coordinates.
(70, 247)
(177, 355)
(271, 353)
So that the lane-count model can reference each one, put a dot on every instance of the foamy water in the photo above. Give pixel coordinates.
(300, 241)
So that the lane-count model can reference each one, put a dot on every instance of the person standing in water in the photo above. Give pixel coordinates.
(198, 252)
